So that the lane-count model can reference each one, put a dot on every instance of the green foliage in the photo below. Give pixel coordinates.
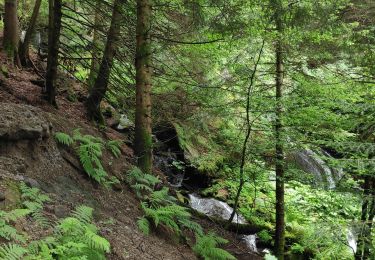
(158, 206)
(7, 231)
(64, 138)
(75, 237)
(12, 252)
(142, 183)
(33, 200)
(207, 247)
(89, 150)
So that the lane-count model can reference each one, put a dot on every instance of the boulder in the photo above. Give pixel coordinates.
(19, 122)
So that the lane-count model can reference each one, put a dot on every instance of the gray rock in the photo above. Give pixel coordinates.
(2, 196)
(61, 211)
(19, 121)
(32, 183)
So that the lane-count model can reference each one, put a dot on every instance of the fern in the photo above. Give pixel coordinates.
(6, 230)
(207, 247)
(64, 139)
(114, 147)
(96, 242)
(83, 214)
(144, 225)
(90, 150)
(12, 252)
(142, 183)
(33, 201)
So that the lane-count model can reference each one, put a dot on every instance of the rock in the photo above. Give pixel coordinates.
(19, 121)
(117, 187)
(2, 196)
(31, 183)
(61, 211)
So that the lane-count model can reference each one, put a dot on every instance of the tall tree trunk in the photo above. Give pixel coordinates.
(11, 30)
(279, 149)
(99, 89)
(24, 46)
(55, 15)
(95, 64)
(143, 139)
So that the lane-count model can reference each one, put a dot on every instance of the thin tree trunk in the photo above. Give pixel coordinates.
(95, 64)
(99, 89)
(371, 213)
(55, 15)
(279, 149)
(143, 139)
(247, 136)
(24, 46)
(11, 30)
(364, 214)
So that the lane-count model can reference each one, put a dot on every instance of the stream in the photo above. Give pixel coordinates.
(169, 157)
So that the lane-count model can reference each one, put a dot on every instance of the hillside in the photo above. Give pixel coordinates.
(30, 154)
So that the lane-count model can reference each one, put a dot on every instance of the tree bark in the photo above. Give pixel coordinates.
(143, 137)
(99, 89)
(279, 149)
(11, 30)
(24, 46)
(55, 15)
(95, 64)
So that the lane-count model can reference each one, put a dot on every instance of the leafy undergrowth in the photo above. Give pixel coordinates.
(74, 237)
(160, 208)
(89, 150)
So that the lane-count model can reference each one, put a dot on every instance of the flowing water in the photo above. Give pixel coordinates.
(250, 241)
(311, 162)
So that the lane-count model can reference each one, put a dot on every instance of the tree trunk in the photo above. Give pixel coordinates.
(95, 64)
(364, 213)
(24, 46)
(279, 149)
(11, 30)
(99, 89)
(55, 15)
(371, 213)
(143, 139)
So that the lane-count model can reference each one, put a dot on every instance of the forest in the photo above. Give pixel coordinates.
(187, 129)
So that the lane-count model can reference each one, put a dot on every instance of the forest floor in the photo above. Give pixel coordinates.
(58, 173)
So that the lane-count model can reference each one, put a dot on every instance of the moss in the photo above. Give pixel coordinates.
(12, 195)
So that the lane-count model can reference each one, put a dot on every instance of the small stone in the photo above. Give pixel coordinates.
(61, 211)
(117, 187)
(32, 183)
(2, 196)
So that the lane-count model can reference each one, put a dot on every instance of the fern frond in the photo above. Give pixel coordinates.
(10, 233)
(144, 225)
(97, 242)
(191, 225)
(206, 247)
(83, 214)
(114, 146)
(64, 139)
(12, 252)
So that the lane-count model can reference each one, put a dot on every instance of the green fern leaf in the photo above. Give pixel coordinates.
(12, 252)
(64, 138)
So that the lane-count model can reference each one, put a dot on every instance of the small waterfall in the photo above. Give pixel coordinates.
(250, 241)
(311, 162)
(352, 240)
(214, 208)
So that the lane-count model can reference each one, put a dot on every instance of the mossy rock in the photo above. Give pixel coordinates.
(12, 194)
